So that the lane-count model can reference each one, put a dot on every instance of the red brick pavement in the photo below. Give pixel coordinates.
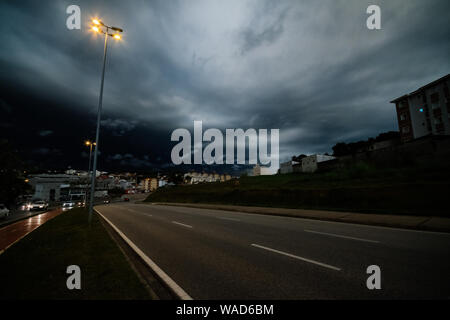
(16, 231)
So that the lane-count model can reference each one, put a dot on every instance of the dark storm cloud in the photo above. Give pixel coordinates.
(45, 133)
(130, 160)
(118, 127)
(263, 31)
(310, 68)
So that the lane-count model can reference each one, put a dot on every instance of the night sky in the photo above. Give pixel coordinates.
(309, 68)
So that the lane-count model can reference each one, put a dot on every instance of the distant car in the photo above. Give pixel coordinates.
(39, 205)
(68, 205)
(126, 199)
(106, 201)
(25, 206)
(4, 211)
(81, 204)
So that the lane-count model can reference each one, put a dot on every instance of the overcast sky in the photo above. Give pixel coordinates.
(309, 68)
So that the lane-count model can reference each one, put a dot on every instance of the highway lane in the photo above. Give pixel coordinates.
(215, 254)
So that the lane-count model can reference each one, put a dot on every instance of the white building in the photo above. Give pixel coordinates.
(125, 184)
(288, 167)
(162, 183)
(48, 186)
(425, 111)
(263, 171)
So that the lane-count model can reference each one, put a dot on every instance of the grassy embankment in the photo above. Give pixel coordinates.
(418, 190)
(35, 267)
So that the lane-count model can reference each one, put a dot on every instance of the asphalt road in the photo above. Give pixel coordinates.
(214, 254)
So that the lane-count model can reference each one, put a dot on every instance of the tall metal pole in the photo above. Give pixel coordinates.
(100, 100)
(89, 174)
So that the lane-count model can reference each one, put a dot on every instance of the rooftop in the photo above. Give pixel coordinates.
(422, 88)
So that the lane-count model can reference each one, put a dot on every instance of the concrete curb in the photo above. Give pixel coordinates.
(436, 224)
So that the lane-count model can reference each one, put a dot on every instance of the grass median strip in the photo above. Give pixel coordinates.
(417, 191)
(35, 267)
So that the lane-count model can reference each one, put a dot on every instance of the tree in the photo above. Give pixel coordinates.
(390, 135)
(175, 177)
(12, 181)
(342, 149)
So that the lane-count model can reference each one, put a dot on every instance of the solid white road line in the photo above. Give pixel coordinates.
(182, 224)
(164, 277)
(341, 236)
(297, 257)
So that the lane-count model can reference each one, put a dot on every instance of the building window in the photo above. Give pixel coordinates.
(437, 121)
(405, 129)
(434, 98)
(435, 106)
(402, 117)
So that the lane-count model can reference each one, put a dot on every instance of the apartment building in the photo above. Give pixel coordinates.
(425, 111)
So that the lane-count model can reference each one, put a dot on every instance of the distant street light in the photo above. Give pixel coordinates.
(99, 26)
(90, 144)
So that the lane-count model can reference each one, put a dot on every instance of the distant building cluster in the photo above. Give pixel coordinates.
(308, 164)
(202, 177)
(74, 184)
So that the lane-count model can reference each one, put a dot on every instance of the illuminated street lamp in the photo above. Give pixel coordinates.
(99, 26)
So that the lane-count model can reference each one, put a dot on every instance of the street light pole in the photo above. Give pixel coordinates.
(100, 101)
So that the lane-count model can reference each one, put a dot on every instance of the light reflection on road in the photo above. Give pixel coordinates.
(17, 230)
